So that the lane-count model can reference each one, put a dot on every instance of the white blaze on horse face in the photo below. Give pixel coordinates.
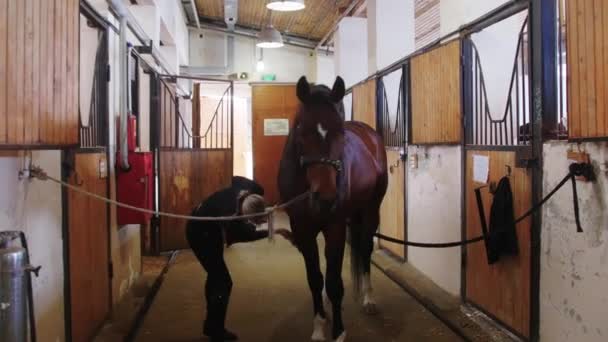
(322, 131)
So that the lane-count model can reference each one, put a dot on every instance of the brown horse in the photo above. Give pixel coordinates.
(343, 165)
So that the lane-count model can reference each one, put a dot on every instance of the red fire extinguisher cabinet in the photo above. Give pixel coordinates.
(135, 187)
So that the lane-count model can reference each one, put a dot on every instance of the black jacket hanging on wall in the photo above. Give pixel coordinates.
(502, 239)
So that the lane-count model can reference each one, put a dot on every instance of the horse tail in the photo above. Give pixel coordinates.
(356, 240)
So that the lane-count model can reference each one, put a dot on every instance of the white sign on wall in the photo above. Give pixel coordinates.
(276, 127)
(481, 168)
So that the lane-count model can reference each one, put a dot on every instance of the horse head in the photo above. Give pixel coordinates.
(319, 136)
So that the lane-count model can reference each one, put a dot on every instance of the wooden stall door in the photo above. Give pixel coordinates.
(39, 63)
(88, 248)
(364, 103)
(270, 102)
(501, 289)
(186, 178)
(392, 211)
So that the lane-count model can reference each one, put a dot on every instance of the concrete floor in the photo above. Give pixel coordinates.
(271, 302)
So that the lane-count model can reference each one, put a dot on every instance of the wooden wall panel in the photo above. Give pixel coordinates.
(436, 93)
(364, 103)
(74, 69)
(392, 211)
(270, 102)
(501, 289)
(59, 70)
(167, 115)
(587, 46)
(28, 74)
(186, 178)
(4, 19)
(89, 249)
(12, 80)
(38, 72)
(46, 70)
(196, 114)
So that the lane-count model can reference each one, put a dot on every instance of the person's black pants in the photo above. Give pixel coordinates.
(206, 241)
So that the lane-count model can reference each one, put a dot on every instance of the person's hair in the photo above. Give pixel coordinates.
(251, 203)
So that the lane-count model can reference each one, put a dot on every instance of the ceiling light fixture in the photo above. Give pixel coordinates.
(269, 38)
(285, 5)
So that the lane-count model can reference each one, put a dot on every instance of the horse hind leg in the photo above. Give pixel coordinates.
(370, 225)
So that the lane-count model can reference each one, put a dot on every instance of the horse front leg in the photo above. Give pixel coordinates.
(310, 252)
(335, 237)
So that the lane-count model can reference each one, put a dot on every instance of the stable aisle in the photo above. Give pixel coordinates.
(271, 302)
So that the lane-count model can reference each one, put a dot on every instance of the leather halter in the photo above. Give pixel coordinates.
(335, 163)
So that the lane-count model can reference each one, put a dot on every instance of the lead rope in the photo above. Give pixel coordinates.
(271, 226)
(575, 169)
(38, 173)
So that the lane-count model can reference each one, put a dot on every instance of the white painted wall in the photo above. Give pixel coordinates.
(34, 207)
(325, 72)
(173, 19)
(288, 63)
(434, 213)
(243, 148)
(455, 13)
(124, 241)
(394, 30)
(574, 266)
(148, 17)
(351, 50)
(348, 106)
(372, 32)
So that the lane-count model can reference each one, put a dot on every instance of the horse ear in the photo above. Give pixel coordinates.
(338, 90)
(303, 89)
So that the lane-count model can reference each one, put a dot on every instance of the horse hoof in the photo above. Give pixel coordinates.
(370, 307)
(318, 333)
(341, 338)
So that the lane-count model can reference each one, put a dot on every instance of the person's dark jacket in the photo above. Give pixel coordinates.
(224, 203)
(242, 183)
(503, 236)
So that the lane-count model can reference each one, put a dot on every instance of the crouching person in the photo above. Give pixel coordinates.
(207, 240)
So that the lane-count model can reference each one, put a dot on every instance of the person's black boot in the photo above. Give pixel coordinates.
(230, 336)
(226, 336)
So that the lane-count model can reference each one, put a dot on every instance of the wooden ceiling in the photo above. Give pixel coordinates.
(313, 22)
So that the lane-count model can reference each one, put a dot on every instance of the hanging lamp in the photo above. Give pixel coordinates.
(269, 37)
(285, 5)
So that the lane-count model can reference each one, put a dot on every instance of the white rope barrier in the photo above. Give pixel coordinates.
(38, 173)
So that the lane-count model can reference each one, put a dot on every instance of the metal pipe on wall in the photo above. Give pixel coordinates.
(123, 86)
